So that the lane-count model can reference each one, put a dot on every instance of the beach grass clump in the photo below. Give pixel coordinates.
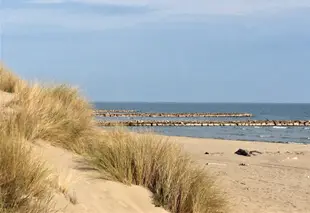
(9, 82)
(23, 179)
(57, 114)
(177, 184)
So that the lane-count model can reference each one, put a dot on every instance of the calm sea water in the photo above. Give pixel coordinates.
(260, 112)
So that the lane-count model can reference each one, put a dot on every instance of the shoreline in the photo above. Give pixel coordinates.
(238, 140)
(153, 129)
(259, 183)
(148, 129)
(233, 141)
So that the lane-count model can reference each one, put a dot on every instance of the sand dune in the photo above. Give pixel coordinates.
(277, 181)
(93, 194)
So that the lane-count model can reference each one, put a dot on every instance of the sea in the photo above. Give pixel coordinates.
(260, 111)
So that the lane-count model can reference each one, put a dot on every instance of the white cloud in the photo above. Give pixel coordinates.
(77, 19)
(46, 1)
(117, 2)
(202, 6)
(93, 2)
(60, 19)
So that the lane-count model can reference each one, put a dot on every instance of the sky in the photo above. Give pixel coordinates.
(163, 50)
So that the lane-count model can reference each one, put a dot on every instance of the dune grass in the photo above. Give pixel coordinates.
(23, 178)
(56, 114)
(177, 183)
(9, 82)
(59, 114)
(23, 187)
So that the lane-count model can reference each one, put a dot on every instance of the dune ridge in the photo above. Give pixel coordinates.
(57, 119)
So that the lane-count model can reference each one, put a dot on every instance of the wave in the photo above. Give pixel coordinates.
(239, 134)
(305, 138)
(257, 127)
(279, 127)
(307, 128)
(265, 136)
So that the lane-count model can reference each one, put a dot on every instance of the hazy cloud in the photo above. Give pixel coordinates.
(46, 1)
(107, 14)
(200, 6)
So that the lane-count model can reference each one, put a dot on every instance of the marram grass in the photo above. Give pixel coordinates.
(59, 115)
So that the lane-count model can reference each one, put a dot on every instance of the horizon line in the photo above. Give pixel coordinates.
(193, 102)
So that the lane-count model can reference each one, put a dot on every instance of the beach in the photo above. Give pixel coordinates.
(276, 181)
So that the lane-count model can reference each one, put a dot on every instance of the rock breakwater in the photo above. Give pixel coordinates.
(104, 111)
(183, 115)
(285, 123)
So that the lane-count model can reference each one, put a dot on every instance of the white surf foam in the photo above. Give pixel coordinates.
(265, 136)
(279, 127)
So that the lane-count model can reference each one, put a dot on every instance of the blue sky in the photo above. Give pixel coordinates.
(163, 50)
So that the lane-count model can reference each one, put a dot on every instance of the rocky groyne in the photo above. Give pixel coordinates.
(180, 115)
(206, 123)
(104, 111)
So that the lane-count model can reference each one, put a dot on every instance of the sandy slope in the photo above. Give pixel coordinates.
(93, 195)
(276, 181)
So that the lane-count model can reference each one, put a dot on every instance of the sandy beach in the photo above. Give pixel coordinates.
(276, 181)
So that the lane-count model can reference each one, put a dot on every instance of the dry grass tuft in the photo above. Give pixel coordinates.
(23, 179)
(177, 183)
(8, 81)
(56, 114)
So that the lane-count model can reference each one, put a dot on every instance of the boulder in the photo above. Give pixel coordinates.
(247, 153)
(243, 152)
